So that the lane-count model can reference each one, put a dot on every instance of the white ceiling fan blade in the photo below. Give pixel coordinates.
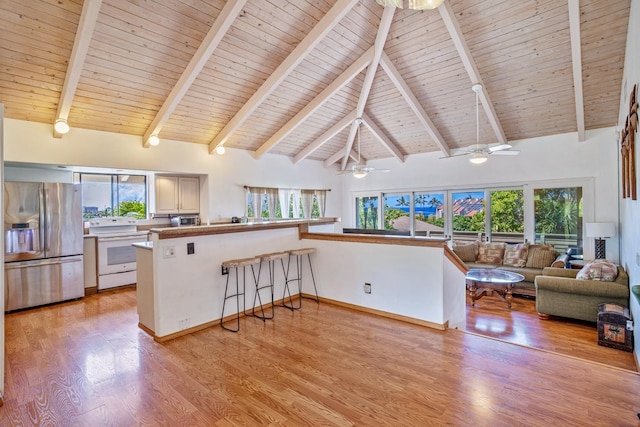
(499, 147)
(506, 153)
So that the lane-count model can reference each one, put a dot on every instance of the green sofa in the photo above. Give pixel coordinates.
(559, 293)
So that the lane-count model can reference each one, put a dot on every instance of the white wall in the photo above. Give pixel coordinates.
(223, 176)
(553, 158)
(630, 209)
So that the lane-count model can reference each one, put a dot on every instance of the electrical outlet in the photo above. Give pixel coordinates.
(367, 288)
(629, 325)
(638, 259)
(191, 249)
(170, 252)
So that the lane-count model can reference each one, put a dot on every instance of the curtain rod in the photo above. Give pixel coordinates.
(283, 188)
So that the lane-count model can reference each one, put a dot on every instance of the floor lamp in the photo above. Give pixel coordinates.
(601, 231)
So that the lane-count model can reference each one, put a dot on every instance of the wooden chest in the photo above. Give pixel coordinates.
(612, 327)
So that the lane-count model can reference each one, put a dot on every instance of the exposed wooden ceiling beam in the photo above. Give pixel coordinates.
(576, 58)
(414, 104)
(341, 81)
(450, 21)
(223, 22)
(335, 129)
(84, 33)
(378, 46)
(340, 154)
(315, 36)
(382, 137)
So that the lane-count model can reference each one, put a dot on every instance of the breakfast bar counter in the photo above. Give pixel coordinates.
(225, 228)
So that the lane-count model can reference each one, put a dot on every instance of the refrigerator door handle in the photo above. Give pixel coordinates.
(10, 266)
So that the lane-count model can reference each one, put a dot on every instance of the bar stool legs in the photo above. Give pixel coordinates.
(299, 257)
(235, 264)
(270, 259)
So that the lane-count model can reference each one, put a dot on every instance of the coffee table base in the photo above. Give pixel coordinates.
(479, 289)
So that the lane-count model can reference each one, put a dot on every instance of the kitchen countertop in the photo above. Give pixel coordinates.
(204, 230)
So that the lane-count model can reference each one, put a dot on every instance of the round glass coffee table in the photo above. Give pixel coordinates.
(490, 281)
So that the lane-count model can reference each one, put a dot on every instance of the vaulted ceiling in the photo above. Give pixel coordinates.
(290, 77)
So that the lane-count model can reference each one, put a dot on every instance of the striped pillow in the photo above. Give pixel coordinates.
(516, 255)
(467, 251)
(540, 256)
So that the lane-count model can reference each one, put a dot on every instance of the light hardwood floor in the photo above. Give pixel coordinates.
(490, 317)
(86, 363)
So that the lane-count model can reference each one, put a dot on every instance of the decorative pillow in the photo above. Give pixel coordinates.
(491, 253)
(600, 270)
(516, 255)
(540, 256)
(467, 251)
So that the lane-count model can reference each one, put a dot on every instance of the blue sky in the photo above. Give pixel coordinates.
(392, 200)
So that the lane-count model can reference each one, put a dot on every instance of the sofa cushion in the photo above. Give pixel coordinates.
(540, 256)
(528, 273)
(490, 253)
(516, 255)
(477, 265)
(467, 251)
(599, 270)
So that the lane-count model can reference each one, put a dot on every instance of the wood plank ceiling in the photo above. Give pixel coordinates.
(290, 77)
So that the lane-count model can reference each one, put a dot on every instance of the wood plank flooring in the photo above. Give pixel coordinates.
(490, 317)
(86, 363)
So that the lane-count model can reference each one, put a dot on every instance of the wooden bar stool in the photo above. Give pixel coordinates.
(235, 264)
(299, 256)
(270, 259)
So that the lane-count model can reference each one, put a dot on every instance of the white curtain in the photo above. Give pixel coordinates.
(321, 197)
(256, 201)
(296, 203)
(285, 198)
(272, 201)
(307, 202)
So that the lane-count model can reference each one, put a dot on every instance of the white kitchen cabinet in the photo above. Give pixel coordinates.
(177, 194)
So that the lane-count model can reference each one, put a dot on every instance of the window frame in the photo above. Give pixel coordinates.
(115, 181)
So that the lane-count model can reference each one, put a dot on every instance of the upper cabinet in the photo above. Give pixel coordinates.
(177, 194)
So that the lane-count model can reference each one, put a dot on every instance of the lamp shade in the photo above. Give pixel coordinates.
(600, 229)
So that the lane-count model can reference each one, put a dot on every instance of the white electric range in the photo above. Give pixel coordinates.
(116, 255)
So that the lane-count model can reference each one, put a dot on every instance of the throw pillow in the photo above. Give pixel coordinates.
(599, 270)
(540, 256)
(467, 251)
(516, 255)
(491, 253)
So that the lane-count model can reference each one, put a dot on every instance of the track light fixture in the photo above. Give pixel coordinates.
(61, 126)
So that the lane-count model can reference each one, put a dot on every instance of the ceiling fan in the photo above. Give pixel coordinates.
(359, 170)
(478, 153)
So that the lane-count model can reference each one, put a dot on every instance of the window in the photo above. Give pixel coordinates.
(507, 216)
(558, 216)
(264, 194)
(396, 212)
(367, 212)
(428, 217)
(468, 214)
(113, 195)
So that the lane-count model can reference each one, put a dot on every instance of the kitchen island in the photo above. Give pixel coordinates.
(180, 285)
(413, 279)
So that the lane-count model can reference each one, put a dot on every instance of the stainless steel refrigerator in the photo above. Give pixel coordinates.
(43, 234)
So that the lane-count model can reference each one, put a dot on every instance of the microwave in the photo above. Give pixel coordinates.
(185, 221)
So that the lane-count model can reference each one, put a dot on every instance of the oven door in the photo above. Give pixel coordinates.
(116, 255)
